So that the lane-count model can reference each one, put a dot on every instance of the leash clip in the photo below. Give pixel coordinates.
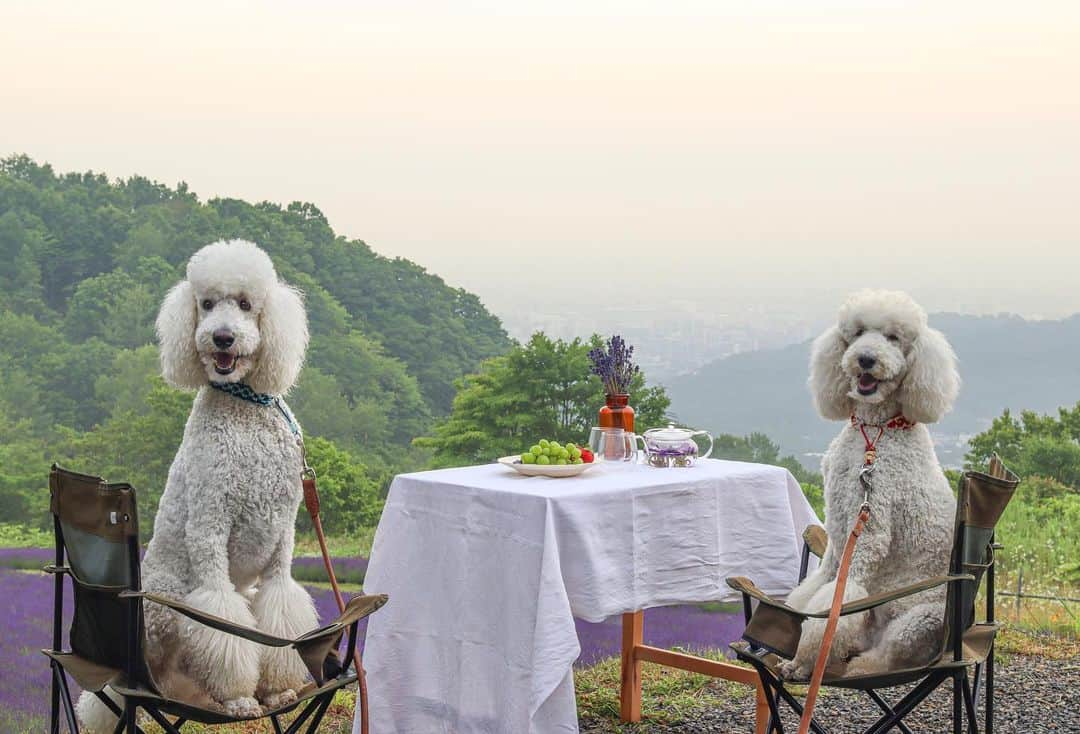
(865, 477)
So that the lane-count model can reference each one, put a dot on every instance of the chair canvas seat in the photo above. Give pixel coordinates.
(977, 643)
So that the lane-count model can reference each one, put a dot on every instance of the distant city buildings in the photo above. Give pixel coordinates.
(674, 340)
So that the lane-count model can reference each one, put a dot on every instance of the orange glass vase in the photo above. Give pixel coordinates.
(616, 413)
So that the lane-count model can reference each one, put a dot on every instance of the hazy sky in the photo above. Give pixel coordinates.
(738, 153)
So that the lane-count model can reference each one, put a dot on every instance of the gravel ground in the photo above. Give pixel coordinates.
(1033, 695)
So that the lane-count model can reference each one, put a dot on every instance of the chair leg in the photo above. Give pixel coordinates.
(277, 725)
(798, 708)
(304, 715)
(54, 707)
(906, 704)
(60, 685)
(170, 727)
(884, 706)
(989, 728)
(957, 705)
(969, 704)
(775, 725)
(319, 714)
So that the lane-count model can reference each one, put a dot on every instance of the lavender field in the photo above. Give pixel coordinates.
(26, 606)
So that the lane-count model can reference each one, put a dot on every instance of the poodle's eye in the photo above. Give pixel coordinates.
(245, 304)
(207, 304)
(860, 332)
(893, 338)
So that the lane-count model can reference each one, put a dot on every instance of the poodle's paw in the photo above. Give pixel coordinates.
(281, 698)
(243, 708)
(795, 670)
(865, 665)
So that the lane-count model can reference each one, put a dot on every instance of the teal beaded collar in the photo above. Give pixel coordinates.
(244, 392)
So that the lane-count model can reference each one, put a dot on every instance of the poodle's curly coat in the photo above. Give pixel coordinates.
(881, 360)
(223, 536)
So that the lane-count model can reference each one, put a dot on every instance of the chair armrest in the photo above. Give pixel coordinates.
(747, 587)
(876, 600)
(210, 620)
(816, 539)
(312, 646)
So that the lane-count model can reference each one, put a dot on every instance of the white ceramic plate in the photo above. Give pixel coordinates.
(551, 470)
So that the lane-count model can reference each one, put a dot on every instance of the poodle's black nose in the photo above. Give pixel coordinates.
(866, 362)
(224, 339)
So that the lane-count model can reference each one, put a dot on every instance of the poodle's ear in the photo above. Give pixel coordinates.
(283, 339)
(828, 383)
(180, 365)
(932, 382)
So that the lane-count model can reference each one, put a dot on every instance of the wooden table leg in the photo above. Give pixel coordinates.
(761, 716)
(630, 693)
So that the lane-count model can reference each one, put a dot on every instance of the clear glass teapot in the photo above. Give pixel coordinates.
(674, 446)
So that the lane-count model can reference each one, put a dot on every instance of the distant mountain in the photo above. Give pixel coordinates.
(1005, 362)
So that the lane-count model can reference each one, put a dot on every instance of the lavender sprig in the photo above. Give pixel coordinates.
(614, 365)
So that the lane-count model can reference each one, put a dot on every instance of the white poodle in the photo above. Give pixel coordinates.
(883, 369)
(223, 537)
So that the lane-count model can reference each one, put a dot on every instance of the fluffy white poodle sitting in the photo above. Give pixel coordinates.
(223, 537)
(881, 369)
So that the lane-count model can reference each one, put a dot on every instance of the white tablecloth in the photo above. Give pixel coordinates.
(486, 569)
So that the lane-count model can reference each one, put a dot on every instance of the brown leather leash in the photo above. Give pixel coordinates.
(841, 577)
(311, 501)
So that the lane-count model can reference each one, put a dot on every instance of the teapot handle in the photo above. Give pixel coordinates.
(709, 436)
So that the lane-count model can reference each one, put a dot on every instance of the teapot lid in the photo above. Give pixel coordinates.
(671, 433)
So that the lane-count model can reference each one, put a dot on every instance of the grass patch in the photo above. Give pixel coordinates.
(1013, 640)
(669, 695)
(22, 536)
(354, 545)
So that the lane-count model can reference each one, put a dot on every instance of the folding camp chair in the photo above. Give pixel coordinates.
(97, 546)
(773, 629)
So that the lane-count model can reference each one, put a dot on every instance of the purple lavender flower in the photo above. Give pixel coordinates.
(614, 365)
(693, 628)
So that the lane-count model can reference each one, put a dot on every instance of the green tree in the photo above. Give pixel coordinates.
(132, 376)
(135, 446)
(114, 307)
(1034, 444)
(540, 389)
(349, 496)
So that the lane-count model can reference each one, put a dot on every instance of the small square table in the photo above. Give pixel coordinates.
(486, 570)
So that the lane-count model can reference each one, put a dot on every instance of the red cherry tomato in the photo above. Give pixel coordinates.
(586, 456)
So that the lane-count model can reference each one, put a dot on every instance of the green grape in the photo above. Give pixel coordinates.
(575, 453)
(546, 451)
(570, 447)
(543, 460)
(564, 454)
(578, 460)
(544, 443)
(536, 450)
(528, 458)
(561, 462)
